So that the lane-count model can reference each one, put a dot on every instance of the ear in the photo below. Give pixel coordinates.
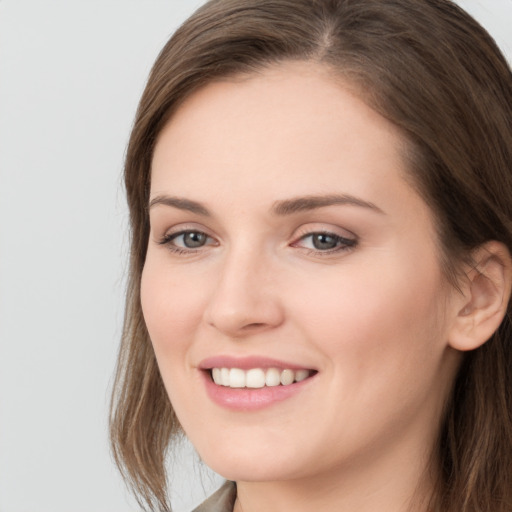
(485, 295)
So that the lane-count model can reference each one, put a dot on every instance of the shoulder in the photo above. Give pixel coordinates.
(221, 501)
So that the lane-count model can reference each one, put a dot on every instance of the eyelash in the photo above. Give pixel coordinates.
(168, 240)
(342, 243)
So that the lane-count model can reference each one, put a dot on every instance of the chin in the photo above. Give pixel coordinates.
(254, 465)
(248, 471)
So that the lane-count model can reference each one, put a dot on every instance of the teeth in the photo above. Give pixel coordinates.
(301, 375)
(257, 377)
(236, 378)
(287, 377)
(273, 377)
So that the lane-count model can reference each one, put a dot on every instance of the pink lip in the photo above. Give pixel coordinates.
(245, 399)
(246, 363)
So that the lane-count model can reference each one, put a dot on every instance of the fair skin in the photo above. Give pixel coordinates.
(347, 288)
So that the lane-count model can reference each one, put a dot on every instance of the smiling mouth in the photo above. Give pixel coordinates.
(257, 378)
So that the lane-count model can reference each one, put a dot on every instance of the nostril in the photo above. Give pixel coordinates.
(253, 326)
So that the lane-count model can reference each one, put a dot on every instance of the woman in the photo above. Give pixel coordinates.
(320, 205)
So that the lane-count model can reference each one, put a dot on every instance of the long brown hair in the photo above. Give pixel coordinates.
(435, 73)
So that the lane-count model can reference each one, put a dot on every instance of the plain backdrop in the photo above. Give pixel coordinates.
(71, 73)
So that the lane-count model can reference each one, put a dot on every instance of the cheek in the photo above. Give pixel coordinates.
(382, 335)
(376, 320)
(172, 308)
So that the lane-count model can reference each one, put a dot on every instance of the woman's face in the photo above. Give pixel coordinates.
(286, 245)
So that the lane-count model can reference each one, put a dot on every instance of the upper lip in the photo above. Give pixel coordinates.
(248, 362)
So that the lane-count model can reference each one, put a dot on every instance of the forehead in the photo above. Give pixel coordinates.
(292, 123)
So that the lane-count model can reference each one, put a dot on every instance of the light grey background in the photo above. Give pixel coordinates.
(71, 73)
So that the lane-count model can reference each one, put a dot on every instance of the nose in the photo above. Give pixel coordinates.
(246, 299)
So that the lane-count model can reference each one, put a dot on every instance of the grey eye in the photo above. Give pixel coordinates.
(323, 241)
(193, 239)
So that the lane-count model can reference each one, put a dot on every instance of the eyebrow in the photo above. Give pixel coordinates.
(300, 204)
(280, 208)
(181, 203)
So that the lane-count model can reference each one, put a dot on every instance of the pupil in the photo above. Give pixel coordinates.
(194, 239)
(323, 241)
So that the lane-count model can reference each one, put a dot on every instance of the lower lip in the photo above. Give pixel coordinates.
(249, 399)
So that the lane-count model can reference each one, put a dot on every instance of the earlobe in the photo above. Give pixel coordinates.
(485, 296)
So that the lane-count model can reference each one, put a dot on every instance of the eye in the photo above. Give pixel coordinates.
(184, 241)
(190, 239)
(325, 242)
